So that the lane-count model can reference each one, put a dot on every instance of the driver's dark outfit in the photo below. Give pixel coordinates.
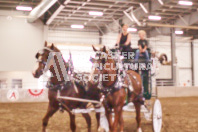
(123, 47)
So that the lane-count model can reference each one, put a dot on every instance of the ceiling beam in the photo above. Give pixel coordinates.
(60, 8)
(93, 8)
(82, 18)
(179, 7)
(85, 16)
(74, 11)
(19, 2)
(139, 12)
(172, 26)
(103, 4)
(70, 22)
(179, 23)
(86, 12)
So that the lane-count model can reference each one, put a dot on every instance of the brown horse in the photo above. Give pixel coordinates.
(67, 88)
(115, 96)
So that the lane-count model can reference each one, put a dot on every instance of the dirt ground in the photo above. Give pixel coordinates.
(179, 115)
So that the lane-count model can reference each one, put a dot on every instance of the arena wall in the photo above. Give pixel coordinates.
(19, 41)
(196, 63)
(41, 95)
(164, 91)
(23, 95)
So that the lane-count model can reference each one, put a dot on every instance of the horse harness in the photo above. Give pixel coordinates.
(59, 87)
(122, 74)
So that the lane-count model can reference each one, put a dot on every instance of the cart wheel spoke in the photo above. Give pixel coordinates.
(157, 116)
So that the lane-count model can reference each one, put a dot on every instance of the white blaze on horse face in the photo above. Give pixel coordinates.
(36, 67)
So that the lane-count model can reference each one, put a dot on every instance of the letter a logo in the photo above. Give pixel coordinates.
(13, 95)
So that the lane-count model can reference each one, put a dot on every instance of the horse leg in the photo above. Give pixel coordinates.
(138, 116)
(72, 122)
(109, 117)
(117, 112)
(98, 119)
(88, 120)
(97, 116)
(50, 111)
(121, 122)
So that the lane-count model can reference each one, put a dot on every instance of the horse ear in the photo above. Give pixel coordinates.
(104, 49)
(94, 48)
(52, 46)
(45, 44)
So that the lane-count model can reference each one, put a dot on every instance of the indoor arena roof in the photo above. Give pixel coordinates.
(12, 4)
(65, 13)
(77, 12)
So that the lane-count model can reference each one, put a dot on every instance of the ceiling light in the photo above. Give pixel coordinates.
(144, 9)
(179, 32)
(96, 13)
(132, 30)
(188, 3)
(23, 8)
(154, 17)
(77, 26)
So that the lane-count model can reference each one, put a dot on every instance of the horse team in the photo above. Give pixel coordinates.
(113, 99)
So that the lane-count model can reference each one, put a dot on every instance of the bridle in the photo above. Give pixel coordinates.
(44, 63)
(41, 61)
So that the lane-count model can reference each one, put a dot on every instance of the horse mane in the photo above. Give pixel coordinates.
(55, 49)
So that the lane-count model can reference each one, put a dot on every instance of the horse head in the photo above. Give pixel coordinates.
(103, 64)
(42, 57)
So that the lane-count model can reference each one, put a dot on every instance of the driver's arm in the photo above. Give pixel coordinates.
(145, 47)
(128, 39)
(140, 48)
(118, 39)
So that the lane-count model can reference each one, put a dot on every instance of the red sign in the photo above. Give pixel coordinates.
(35, 92)
(13, 95)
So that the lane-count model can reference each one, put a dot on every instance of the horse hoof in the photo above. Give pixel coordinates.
(100, 129)
(139, 130)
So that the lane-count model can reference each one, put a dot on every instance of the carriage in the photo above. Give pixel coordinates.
(151, 109)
